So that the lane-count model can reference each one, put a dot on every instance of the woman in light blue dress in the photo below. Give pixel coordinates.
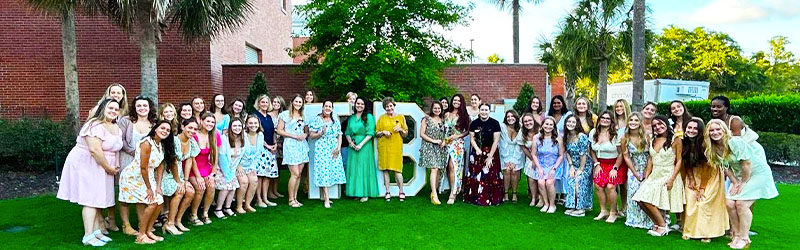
(328, 169)
(750, 175)
(292, 127)
(579, 170)
(511, 157)
(252, 160)
(185, 150)
(559, 111)
(635, 150)
(548, 155)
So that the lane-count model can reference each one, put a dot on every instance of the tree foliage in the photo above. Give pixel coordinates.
(256, 89)
(380, 47)
(494, 58)
(525, 94)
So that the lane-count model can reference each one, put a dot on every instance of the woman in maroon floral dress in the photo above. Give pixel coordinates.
(483, 182)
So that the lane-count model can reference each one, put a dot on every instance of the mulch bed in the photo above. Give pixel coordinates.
(24, 184)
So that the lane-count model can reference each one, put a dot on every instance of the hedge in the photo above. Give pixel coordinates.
(781, 147)
(764, 113)
(34, 144)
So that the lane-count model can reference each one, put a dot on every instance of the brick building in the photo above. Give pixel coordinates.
(31, 64)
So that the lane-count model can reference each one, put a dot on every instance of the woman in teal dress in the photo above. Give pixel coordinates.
(751, 177)
(579, 168)
(361, 172)
(328, 168)
(636, 152)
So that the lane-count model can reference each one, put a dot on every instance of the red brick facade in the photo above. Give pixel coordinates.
(31, 63)
(493, 82)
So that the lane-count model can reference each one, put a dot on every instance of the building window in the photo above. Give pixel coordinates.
(252, 55)
(692, 90)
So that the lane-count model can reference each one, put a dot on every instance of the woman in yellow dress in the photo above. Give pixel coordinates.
(390, 130)
(705, 215)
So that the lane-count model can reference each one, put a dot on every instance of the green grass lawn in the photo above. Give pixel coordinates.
(48, 223)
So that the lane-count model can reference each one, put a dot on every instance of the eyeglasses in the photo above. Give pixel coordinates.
(605, 118)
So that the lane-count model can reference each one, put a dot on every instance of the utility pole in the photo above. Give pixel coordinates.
(471, 52)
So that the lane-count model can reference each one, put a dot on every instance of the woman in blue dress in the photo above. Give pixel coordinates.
(579, 166)
(635, 152)
(559, 110)
(328, 169)
(548, 155)
(511, 157)
(267, 167)
(292, 127)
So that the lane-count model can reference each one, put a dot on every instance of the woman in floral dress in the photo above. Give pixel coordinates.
(433, 152)
(328, 167)
(457, 122)
(635, 151)
(579, 166)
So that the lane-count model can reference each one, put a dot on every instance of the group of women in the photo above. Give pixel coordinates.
(708, 174)
(170, 159)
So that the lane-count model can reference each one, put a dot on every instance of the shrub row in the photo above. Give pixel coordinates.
(34, 144)
(764, 113)
(781, 147)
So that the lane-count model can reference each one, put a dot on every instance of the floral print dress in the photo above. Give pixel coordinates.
(295, 151)
(433, 155)
(579, 188)
(168, 183)
(132, 188)
(328, 170)
(635, 216)
(455, 153)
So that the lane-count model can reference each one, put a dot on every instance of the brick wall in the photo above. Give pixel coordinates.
(31, 62)
(493, 82)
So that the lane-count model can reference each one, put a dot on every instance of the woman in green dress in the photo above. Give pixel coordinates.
(362, 175)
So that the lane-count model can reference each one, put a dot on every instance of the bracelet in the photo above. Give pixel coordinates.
(597, 164)
(615, 168)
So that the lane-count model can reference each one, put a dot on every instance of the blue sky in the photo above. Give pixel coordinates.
(750, 22)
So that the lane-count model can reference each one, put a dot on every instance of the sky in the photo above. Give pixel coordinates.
(750, 22)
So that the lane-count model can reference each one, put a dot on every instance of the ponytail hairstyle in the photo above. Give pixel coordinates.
(212, 138)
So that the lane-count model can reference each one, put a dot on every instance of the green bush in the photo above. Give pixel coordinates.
(34, 144)
(763, 113)
(525, 94)
(781, 147)
(257, 88)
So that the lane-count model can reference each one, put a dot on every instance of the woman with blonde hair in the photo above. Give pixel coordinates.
(267, 168)
(117, 92)
(292, 126)
(749, 173)
(636, 153)
(202, 178)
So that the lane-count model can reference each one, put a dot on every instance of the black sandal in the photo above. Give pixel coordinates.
(160, 221)
(219, 214)
(402, 196)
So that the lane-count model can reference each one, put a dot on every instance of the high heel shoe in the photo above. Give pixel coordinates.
(181, 227)
(127, 229)
(664, 231)
(602, 215)
(167, 228)
(435, 201)
(144, 239)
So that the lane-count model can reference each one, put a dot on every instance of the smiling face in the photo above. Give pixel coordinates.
(691, 129)
(649, 111)
(111, 111)
(528, 122)
(718, 110)
(142, 108)
(444, 103)
(236, 127)
(116, 93)
(327, 108)
(276, 105)
(237, 107)
(437, 110)
(535, 104)
(676, 109)
(297, 103)
(186, 111)
(456, 103)
(389, 109)
(252, 124)
(209, 123)
(309, 96)
(198, 105)
(263, 104)
(581, 105)
(619, 109)
(510, 119)
(190, 129)
(163, 131)
(605, 120)
(557, 104)
(219, 101)
(715, 131)
(484, 112)
(474, 101)
(571, 123)
(548, 125)
(659, 127)
(634, 123)
(168, 113)
(360, 105)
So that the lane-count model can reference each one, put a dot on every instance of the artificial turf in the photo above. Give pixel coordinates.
(44, 222)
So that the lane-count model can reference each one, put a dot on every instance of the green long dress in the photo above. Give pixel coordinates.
(362, 173)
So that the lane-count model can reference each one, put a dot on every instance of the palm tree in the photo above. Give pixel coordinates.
(600, 22)
(196, 20)
(638, 54)
(515, 9)
(65, 9)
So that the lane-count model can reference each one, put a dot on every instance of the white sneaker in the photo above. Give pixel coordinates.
(99, 235)
(92, 240)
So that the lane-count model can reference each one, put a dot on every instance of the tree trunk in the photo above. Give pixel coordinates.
(638, 55)
(515, 14)
(148, 52)
(68, 48)
(602, 85)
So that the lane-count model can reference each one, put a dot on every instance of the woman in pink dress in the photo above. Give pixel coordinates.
(88, 175)
(202, 177)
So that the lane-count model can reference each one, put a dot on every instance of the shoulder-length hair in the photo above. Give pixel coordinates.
(553, 134)
(722, 144)
(434, 104)
(281, 102)
(291, 106)
(258, 99)
(609, 129)
(525, 131)
(570, 133)
(232, 137)
(538, 111)
(563, 110)
(587, 116)
(214, 105)
(516, 117)
(174, 121)
(638, 132)
(626, 114)
(152, 114)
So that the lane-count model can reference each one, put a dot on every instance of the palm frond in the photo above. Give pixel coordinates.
(200, 19)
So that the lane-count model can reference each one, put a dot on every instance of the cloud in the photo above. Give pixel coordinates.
(729, 11)
(785, 8)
